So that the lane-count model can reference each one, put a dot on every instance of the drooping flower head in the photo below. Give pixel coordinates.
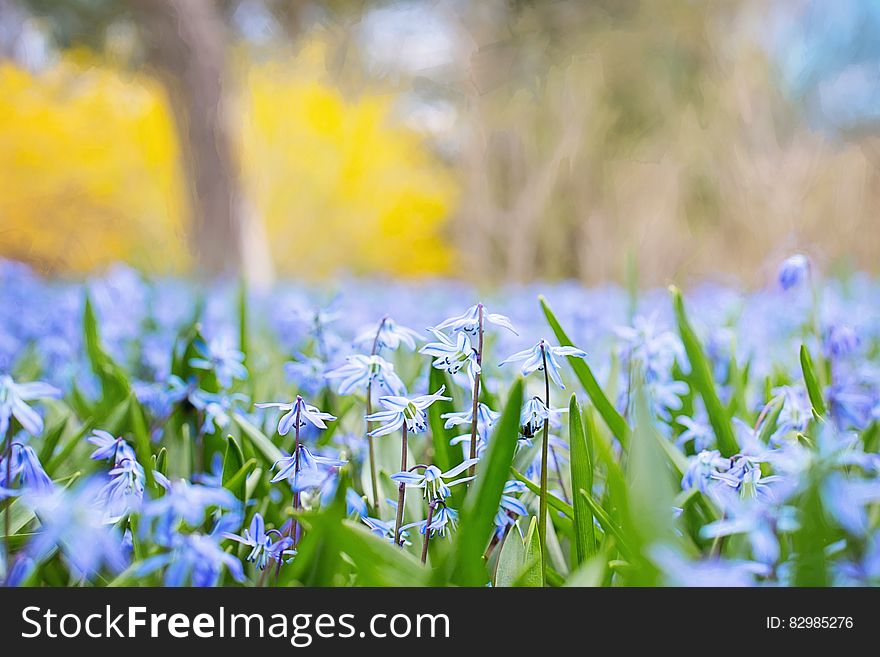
(793, 270)
(402, 410)
(469, 321)
(13, 398)
(452, 355)
(533, 359)
(263, 547)
(305, 470)
(434, 482)
(221, 357)
(388, 335)
(307, 414)
(360, 371)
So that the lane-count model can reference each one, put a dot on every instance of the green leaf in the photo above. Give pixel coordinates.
(581, 478)
(233, 466)
(511, 560)
(141, 436)
(477, 516)
(52, 436)
(115, 386)
(649, 482)
(606, 409)
(606, 523)
(378, 562)
(444, 456)
(770, 419)
(265, 446)
(702, 380)
(812, 383)
(533, 571)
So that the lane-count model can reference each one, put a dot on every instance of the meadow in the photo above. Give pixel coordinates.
(377, 433)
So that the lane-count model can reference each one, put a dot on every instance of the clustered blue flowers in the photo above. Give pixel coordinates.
(137, 445)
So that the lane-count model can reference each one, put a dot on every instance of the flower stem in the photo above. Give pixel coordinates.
(542, 508)
(295, 526)
(373, 479)
(428, 520)
(7, 515)
(401, 490)
(472, 470)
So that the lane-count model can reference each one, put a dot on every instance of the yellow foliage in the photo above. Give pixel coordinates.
(336, 183)
(89, 169)
(90, 172)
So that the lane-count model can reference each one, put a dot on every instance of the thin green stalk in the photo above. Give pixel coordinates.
(542, 509)
(476, 402)
(428, 520)
(401, 490)
(373, 479)
(8, 513)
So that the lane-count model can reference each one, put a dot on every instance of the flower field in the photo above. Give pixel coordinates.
(159, 433)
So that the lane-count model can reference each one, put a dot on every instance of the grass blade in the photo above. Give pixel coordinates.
(581, 478)
(582, 371)
(702, 380)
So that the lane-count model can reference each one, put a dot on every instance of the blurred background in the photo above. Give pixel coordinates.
(492, 140)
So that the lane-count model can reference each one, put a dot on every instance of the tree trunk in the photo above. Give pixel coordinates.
(186, 43)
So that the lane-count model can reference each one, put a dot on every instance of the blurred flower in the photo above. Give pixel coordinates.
(12, 403)
(359, 371)
(389, 335)
(73, 521)
(793, 270)
(219, 356)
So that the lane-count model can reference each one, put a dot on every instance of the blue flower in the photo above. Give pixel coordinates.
(186, 502)
(218, 355)
(385, 529)
(702, 470)
(305, 471)
(355, 504)
(486, 419)
(12, 403)
(840, 341)
(403, 410)
(444, 520)
(469, 321)
(534, 357)
(760, 523)
(109, 447)
(700, 433)
(216, 408)
(451, 356)
(433, 481)
(24, 465)
(534, 413)
(125, 490)
(263, 548)
(510, 506)
(389, 335)
(306, 412)
(793, 270)
(194, 558)
(71, 520)
(359, 371)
